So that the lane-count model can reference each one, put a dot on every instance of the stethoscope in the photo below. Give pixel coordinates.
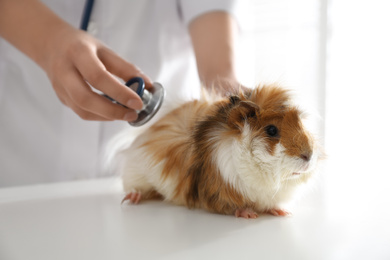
(152, 99)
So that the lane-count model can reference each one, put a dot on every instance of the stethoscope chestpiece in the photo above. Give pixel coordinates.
(152, 99)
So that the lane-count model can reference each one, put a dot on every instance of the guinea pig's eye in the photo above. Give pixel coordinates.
(272, 130)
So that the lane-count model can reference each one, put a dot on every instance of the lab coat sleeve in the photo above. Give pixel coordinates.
(191, 9)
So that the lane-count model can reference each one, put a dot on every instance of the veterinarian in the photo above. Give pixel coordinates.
(53, 127)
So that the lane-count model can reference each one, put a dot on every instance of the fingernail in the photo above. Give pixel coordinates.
(132, 103)
(130, 116)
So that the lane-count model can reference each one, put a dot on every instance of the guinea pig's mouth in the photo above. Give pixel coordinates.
(296, 173)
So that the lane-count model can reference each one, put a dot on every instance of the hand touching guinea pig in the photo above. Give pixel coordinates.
(241, 155)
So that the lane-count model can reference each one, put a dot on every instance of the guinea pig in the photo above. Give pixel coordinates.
(242, 155)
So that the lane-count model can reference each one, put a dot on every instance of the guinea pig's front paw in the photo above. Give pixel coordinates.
(279, 212)
(246, 213)
(133, 197)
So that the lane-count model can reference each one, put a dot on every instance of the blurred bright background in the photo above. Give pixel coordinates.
(336, 55)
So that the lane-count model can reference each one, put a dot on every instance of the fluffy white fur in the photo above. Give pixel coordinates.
(264, 178)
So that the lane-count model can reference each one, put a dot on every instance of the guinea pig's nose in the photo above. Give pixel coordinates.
(306, 156)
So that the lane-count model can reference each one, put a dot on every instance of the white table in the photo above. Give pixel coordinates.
(85, 220)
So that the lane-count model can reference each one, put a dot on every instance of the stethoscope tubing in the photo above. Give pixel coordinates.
(86, 14)
(139, 90)
(141, 85)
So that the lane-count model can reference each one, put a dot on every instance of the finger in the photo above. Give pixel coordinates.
(67, 101)
(85, 99)
(93, 71)
(84, 114)
(120, 67)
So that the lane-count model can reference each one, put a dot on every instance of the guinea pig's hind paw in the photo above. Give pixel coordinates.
(133, 197)
(279, 212)
(245, 213)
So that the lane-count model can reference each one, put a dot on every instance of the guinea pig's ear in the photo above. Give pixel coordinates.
(244, 111)
(234, 100)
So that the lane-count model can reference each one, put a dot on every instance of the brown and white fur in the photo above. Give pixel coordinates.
(224, 155)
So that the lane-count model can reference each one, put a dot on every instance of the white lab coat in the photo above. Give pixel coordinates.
(41, 140)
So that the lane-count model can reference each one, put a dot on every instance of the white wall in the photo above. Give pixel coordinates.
(357, 115)
(282, 41)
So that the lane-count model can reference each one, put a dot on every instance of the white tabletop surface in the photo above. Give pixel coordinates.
(85, 220)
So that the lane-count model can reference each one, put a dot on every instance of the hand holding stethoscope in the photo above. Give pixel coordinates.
(152, 99)
(71, 58)
(77, 59)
